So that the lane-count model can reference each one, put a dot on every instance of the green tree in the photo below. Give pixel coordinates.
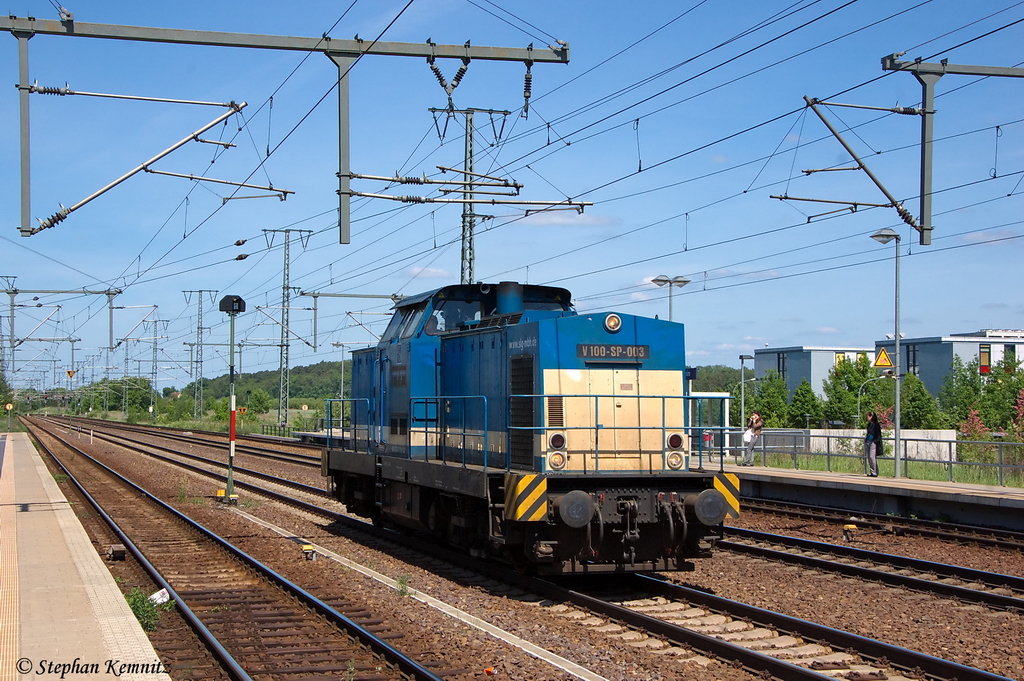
(918, 409)
(6, 394)
(804, 402)
(842, 387)
(960, 390)
(999, 394)
(259, 401)
(221, 408)
(770, 400)
(717, 378)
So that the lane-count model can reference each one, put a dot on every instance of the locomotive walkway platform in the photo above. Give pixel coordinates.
(61, 614)
(983, 505)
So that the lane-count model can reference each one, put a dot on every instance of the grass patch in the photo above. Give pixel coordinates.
(59, 478)
(145, 611)
(184, 495)
(402, 585)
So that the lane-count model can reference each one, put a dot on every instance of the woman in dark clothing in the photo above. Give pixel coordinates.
(873, 444)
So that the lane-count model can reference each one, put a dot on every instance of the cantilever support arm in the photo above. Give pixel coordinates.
(903, 212)
(62, 214)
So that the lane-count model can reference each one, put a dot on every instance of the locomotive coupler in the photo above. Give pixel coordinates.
(544, 551)
(630, 512)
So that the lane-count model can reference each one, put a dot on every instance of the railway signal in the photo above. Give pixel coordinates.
(232, 305)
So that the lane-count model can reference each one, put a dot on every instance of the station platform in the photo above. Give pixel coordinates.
(61, 614)
(982, 505)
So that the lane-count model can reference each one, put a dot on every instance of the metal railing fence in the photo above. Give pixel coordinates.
(967, 461)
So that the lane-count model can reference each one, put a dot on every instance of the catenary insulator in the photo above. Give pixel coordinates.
(439, 76)
(527, 91)
(458, 76)
(907, 111)
(240, 242)
(43, 90)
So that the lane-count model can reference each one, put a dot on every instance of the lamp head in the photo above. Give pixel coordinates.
(662, 280)
(885, 235)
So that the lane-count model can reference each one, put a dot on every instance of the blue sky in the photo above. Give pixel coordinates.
(678, 122)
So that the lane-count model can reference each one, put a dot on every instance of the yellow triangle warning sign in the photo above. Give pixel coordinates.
(71, 374)
(882, 360)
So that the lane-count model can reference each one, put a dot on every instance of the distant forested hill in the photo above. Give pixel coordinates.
(315, 381)
(323, 380)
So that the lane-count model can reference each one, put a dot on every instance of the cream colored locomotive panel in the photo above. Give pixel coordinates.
(631, 436)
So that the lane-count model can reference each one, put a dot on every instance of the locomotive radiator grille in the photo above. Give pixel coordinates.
(526, 497)
(521, 415)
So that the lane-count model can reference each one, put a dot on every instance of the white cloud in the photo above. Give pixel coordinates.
(991, 235)
(429, 273)
(570, 218)
(639, 295)
(828, 330)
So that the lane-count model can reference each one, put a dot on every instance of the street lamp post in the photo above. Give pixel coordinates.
(884, 236)
(662, 280)
(232, 305)
(743, 390)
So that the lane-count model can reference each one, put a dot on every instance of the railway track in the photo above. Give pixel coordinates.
(307, 455)
(264, 624)
(175, 456)
(1005, 592)
(982, 536)
(756, 640)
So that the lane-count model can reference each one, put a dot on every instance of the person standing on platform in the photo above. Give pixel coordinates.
(873, 444)
(752, 436)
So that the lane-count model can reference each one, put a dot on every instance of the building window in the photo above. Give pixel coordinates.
(1010, 358)
(840, 357)
(985, 358)
(782, 364)
(912, 363)
(861, 355)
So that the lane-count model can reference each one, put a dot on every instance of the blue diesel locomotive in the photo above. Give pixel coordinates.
(500, 420)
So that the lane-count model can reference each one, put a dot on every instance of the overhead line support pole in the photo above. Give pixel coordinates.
(928, 75)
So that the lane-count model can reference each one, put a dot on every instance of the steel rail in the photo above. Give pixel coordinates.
(231, 665)
(137, 447)
(216, 445)
(179, 434)
(1004, 539)
(404, 663)
(993, 580)
(904, 658)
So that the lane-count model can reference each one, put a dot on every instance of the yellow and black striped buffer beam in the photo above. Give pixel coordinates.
(526, 497)
(729, 485)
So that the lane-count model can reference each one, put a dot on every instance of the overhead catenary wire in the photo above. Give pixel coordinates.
(143, 279)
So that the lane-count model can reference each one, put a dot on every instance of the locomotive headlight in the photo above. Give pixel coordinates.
(674, 461)
(612, 323)
(557, 460)
(557, 441)
(674, 441)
